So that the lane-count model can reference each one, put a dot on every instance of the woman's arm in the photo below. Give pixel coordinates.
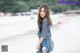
(44, 33)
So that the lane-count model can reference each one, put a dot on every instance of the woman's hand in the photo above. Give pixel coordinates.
(38, 46)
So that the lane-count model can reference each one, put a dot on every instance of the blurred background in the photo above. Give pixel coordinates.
(24, 7)
(19, 30)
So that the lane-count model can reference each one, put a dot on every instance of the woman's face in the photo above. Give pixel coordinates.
(42, 12)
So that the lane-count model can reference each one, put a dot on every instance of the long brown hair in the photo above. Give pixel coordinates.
(40, 19)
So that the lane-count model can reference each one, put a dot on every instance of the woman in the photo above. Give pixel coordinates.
(45, 43)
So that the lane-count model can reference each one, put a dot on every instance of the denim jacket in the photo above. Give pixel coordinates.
(46, 34)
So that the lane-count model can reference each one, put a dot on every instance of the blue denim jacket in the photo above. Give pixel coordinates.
(46, 34)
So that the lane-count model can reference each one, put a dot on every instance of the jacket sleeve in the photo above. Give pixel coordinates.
(45, 29)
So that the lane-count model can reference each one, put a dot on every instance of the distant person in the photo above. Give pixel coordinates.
(45, 43)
